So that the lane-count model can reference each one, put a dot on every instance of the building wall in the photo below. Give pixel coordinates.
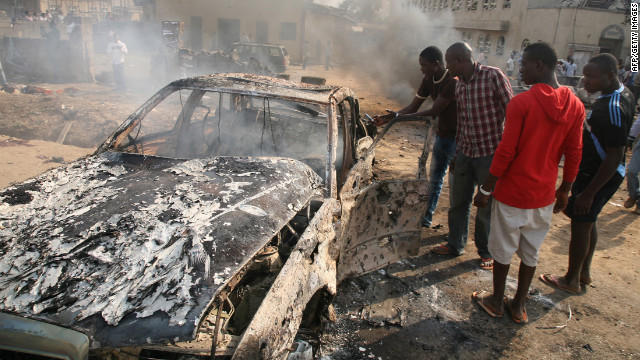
(99, 10)
(246, 12)
(568, 29)
(321, 28)
(571, 28)
(494, 20)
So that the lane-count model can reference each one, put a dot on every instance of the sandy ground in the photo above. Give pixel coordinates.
(422, 305)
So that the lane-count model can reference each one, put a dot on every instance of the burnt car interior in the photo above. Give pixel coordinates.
(191, 124)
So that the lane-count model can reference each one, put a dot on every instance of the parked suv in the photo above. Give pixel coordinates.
(274, 56)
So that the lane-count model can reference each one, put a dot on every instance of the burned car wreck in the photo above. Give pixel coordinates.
(214, 221)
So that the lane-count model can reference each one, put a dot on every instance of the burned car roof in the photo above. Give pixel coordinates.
(260, 85)
(157, 236)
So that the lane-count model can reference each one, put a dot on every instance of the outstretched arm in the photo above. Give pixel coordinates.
(438, 105)
(379, 120)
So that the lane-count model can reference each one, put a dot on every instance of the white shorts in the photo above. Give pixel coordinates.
(520, 231)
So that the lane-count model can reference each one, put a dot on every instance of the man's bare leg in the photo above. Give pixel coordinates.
(585, 273)
(579, 248)
(525, 276)
(495, 300)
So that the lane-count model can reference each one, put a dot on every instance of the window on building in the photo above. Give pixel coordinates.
(422, 5)
(288, 31)
(471, 5)
(493, 4)
(456, 5)
(485, 4)
(480, 43)
(500, 45)
(525, 43)
(464, 36)
(469, 39)
(433, 5)
(487, 44)
(506, 4)
(444, 4)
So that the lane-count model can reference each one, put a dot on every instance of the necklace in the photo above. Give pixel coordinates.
(442, 78)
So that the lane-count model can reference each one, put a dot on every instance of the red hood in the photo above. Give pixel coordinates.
(557, 104)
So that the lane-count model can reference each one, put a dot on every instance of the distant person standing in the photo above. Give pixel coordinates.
(569, 67)
(3, 79)
(53, 48)
(306, 54)
(328, 56)
(118, 50)
(159, 67)
(510, 64)
(482, 95)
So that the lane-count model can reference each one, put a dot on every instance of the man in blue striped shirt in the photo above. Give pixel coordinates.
(601, 169)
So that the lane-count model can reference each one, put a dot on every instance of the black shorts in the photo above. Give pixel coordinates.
(600, 199)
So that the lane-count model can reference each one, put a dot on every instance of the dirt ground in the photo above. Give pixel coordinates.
(419, 308)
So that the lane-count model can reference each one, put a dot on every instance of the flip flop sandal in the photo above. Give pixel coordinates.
(478, 298)
(552, 281)
(486, 264)
(441, 250)
(520, 320)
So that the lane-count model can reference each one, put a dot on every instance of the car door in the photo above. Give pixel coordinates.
(381, 220)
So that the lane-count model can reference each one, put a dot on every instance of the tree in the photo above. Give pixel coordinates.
(362, 9)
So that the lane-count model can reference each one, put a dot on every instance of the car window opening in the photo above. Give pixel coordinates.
(200, 124)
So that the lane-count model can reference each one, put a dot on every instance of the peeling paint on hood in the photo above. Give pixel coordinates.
(130, 248)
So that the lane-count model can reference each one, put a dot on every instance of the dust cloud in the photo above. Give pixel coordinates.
(389, 52)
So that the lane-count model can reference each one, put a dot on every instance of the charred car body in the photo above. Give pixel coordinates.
(207, 224)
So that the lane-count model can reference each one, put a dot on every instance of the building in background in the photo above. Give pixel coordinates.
(98, 10)
(216, 24)
(576, 28)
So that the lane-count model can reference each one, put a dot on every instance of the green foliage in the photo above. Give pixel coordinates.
(362, 9)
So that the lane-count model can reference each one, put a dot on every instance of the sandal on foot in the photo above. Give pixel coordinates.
(552, 281)
(520, 320)
(479, 299)
(630, 202)
(486, 264)
(585, 282)
(442, 250)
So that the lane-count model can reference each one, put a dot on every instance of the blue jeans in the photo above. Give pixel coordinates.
(443, 152)
(469, 173)
(633, 168)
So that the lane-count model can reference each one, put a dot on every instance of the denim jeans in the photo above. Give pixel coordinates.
(443, 152)
(633, 168)
(469, 173)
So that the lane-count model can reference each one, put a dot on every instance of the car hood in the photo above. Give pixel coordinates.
(131, 249)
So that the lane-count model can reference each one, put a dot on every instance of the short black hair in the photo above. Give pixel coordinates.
(605, 62)
(544, 52)
(431, 54)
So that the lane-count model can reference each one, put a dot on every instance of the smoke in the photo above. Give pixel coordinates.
(390, 51)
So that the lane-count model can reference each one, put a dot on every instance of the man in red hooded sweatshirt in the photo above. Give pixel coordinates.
(541, 126)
